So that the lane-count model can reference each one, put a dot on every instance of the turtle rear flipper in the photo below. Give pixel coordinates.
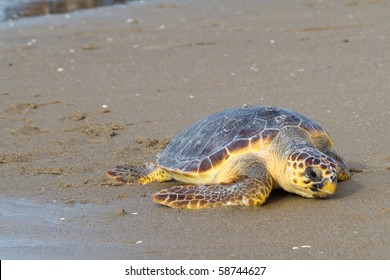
(130, 173)
(247, 192)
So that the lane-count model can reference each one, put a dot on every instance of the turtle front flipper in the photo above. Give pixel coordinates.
(343, 173)
(247, 192)
(131, 173)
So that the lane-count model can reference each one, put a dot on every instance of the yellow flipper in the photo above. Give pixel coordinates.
(247, 192)
(158, 175)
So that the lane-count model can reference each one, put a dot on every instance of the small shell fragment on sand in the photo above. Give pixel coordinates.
(131, 20)
(31, 42)
(303, 247)
(254, 68)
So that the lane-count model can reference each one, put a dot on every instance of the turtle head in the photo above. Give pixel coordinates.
(311, 173)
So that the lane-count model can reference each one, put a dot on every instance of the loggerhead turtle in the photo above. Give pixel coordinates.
(237, 156)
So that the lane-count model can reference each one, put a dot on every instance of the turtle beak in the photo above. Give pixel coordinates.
(324, 189)
(329, 188)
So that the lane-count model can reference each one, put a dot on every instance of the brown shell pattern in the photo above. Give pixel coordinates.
(212, 140)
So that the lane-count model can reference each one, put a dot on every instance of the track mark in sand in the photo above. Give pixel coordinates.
(43, 170)
(56, 170)
(72, 202)
(175, 44)
(387, 159)
(145, 147)
(91, 47)
(358, 167)
(385, 210)
(14, 157)
(21, 107)
(27, 106)
(29, 130)
(120, 212)
(113, 183)
(97, 130)
(77, 116)
(104, 181)
(355, 170)
(152, 144)
(326, 28)
(201, 43)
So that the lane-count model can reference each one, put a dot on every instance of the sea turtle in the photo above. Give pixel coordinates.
(237, 156)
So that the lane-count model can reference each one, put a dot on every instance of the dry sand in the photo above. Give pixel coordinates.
(158, 67)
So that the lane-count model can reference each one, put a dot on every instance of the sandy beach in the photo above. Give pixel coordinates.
(83, 92)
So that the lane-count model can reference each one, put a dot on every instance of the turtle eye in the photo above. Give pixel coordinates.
(313, 175)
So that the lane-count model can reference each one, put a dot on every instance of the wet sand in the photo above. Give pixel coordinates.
(83, 92)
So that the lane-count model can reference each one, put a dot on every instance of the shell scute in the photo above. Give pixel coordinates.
(255, 142)
(192, 166)
(197, 141)
(226, 133)
(276, 122)
(318, 129)
(238, 145)
(251, 129)
(268, 134)
(205, 165)
(293, 120)
(232, 124)
(219, 156)
(307, 126)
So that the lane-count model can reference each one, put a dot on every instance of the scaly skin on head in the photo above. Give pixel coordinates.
(311, 173)
(300, 167)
